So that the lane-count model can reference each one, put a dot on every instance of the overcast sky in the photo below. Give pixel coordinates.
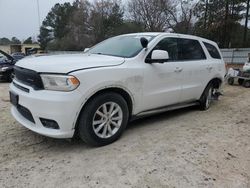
(19, 18)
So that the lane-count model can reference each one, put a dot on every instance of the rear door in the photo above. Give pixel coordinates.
(195, 71)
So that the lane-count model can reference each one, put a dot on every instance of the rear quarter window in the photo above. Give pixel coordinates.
(213, 51)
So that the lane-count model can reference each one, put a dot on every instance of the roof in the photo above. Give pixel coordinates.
(173, 34)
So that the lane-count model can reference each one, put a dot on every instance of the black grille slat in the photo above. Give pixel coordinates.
(28, 77)
(25, 113)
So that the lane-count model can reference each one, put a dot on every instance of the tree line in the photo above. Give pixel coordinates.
(82, 24)
(14, 40)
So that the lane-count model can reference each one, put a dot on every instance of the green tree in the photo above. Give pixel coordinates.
(45, 37)
(79, 33)
(218, 19)
(5, 41)
(244, 42)
(28, 41)
(15, 40)
(55, 24)
(105, 19)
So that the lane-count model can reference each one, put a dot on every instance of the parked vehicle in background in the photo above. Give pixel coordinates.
(34, 51)
(246, 67)
(242, 77)
(18, 55)
(96, 93)
(7, 63)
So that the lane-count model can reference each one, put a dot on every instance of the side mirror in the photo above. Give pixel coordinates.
(159, 56)
(144, 42)
(86, 49)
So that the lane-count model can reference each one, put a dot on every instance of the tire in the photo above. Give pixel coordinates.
(96, 127)
(240, 81)
(9, 79)
(230, 81)
(246, 84)
(206, 98)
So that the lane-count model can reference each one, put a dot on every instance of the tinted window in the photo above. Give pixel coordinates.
(191, 50)
(212, 50)
(171, 46)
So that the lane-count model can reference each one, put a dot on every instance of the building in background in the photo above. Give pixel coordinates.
(24, 48)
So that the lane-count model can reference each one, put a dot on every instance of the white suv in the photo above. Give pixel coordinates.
(96, 93)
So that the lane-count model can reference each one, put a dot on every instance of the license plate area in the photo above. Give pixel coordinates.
(14, 99)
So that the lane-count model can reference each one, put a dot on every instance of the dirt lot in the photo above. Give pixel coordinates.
(184, 148)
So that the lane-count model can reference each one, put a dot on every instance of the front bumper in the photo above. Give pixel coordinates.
(62, 107)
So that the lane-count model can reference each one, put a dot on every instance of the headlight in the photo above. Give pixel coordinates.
(59, 82)
(4, 68)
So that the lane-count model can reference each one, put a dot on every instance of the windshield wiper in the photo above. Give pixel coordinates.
(99, 53)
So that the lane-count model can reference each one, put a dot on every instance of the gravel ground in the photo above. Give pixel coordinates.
(184, 148)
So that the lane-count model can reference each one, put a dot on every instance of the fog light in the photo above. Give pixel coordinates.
(48, 123)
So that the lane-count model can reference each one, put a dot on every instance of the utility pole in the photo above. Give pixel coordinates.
(205, 16)
(246, 25)
(38, 13)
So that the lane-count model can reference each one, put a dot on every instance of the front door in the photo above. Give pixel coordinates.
(162, 82)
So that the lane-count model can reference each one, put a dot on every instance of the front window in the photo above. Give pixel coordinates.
(171, 46)
(121, 46)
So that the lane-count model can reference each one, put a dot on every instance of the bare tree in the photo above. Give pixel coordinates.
(161, 15)
(181, 18)
(105, 17)
(152, 14)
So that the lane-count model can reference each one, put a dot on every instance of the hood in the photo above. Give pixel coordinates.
(68, 62)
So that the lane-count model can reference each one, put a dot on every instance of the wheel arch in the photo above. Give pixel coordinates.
(115, 89)
(215, 81)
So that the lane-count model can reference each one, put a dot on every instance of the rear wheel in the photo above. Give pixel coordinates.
(103, 119)
(207, 97)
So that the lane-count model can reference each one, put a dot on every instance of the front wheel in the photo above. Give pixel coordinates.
(103, 119)
(207, 97)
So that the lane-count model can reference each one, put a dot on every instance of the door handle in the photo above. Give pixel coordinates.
(178, 69)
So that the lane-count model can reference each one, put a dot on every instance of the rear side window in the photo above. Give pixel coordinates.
(191, 50)
(212, 50)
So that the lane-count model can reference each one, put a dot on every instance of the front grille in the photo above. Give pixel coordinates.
(25, 113)
(28, 77)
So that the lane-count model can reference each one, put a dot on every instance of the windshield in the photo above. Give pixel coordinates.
(121, 46)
